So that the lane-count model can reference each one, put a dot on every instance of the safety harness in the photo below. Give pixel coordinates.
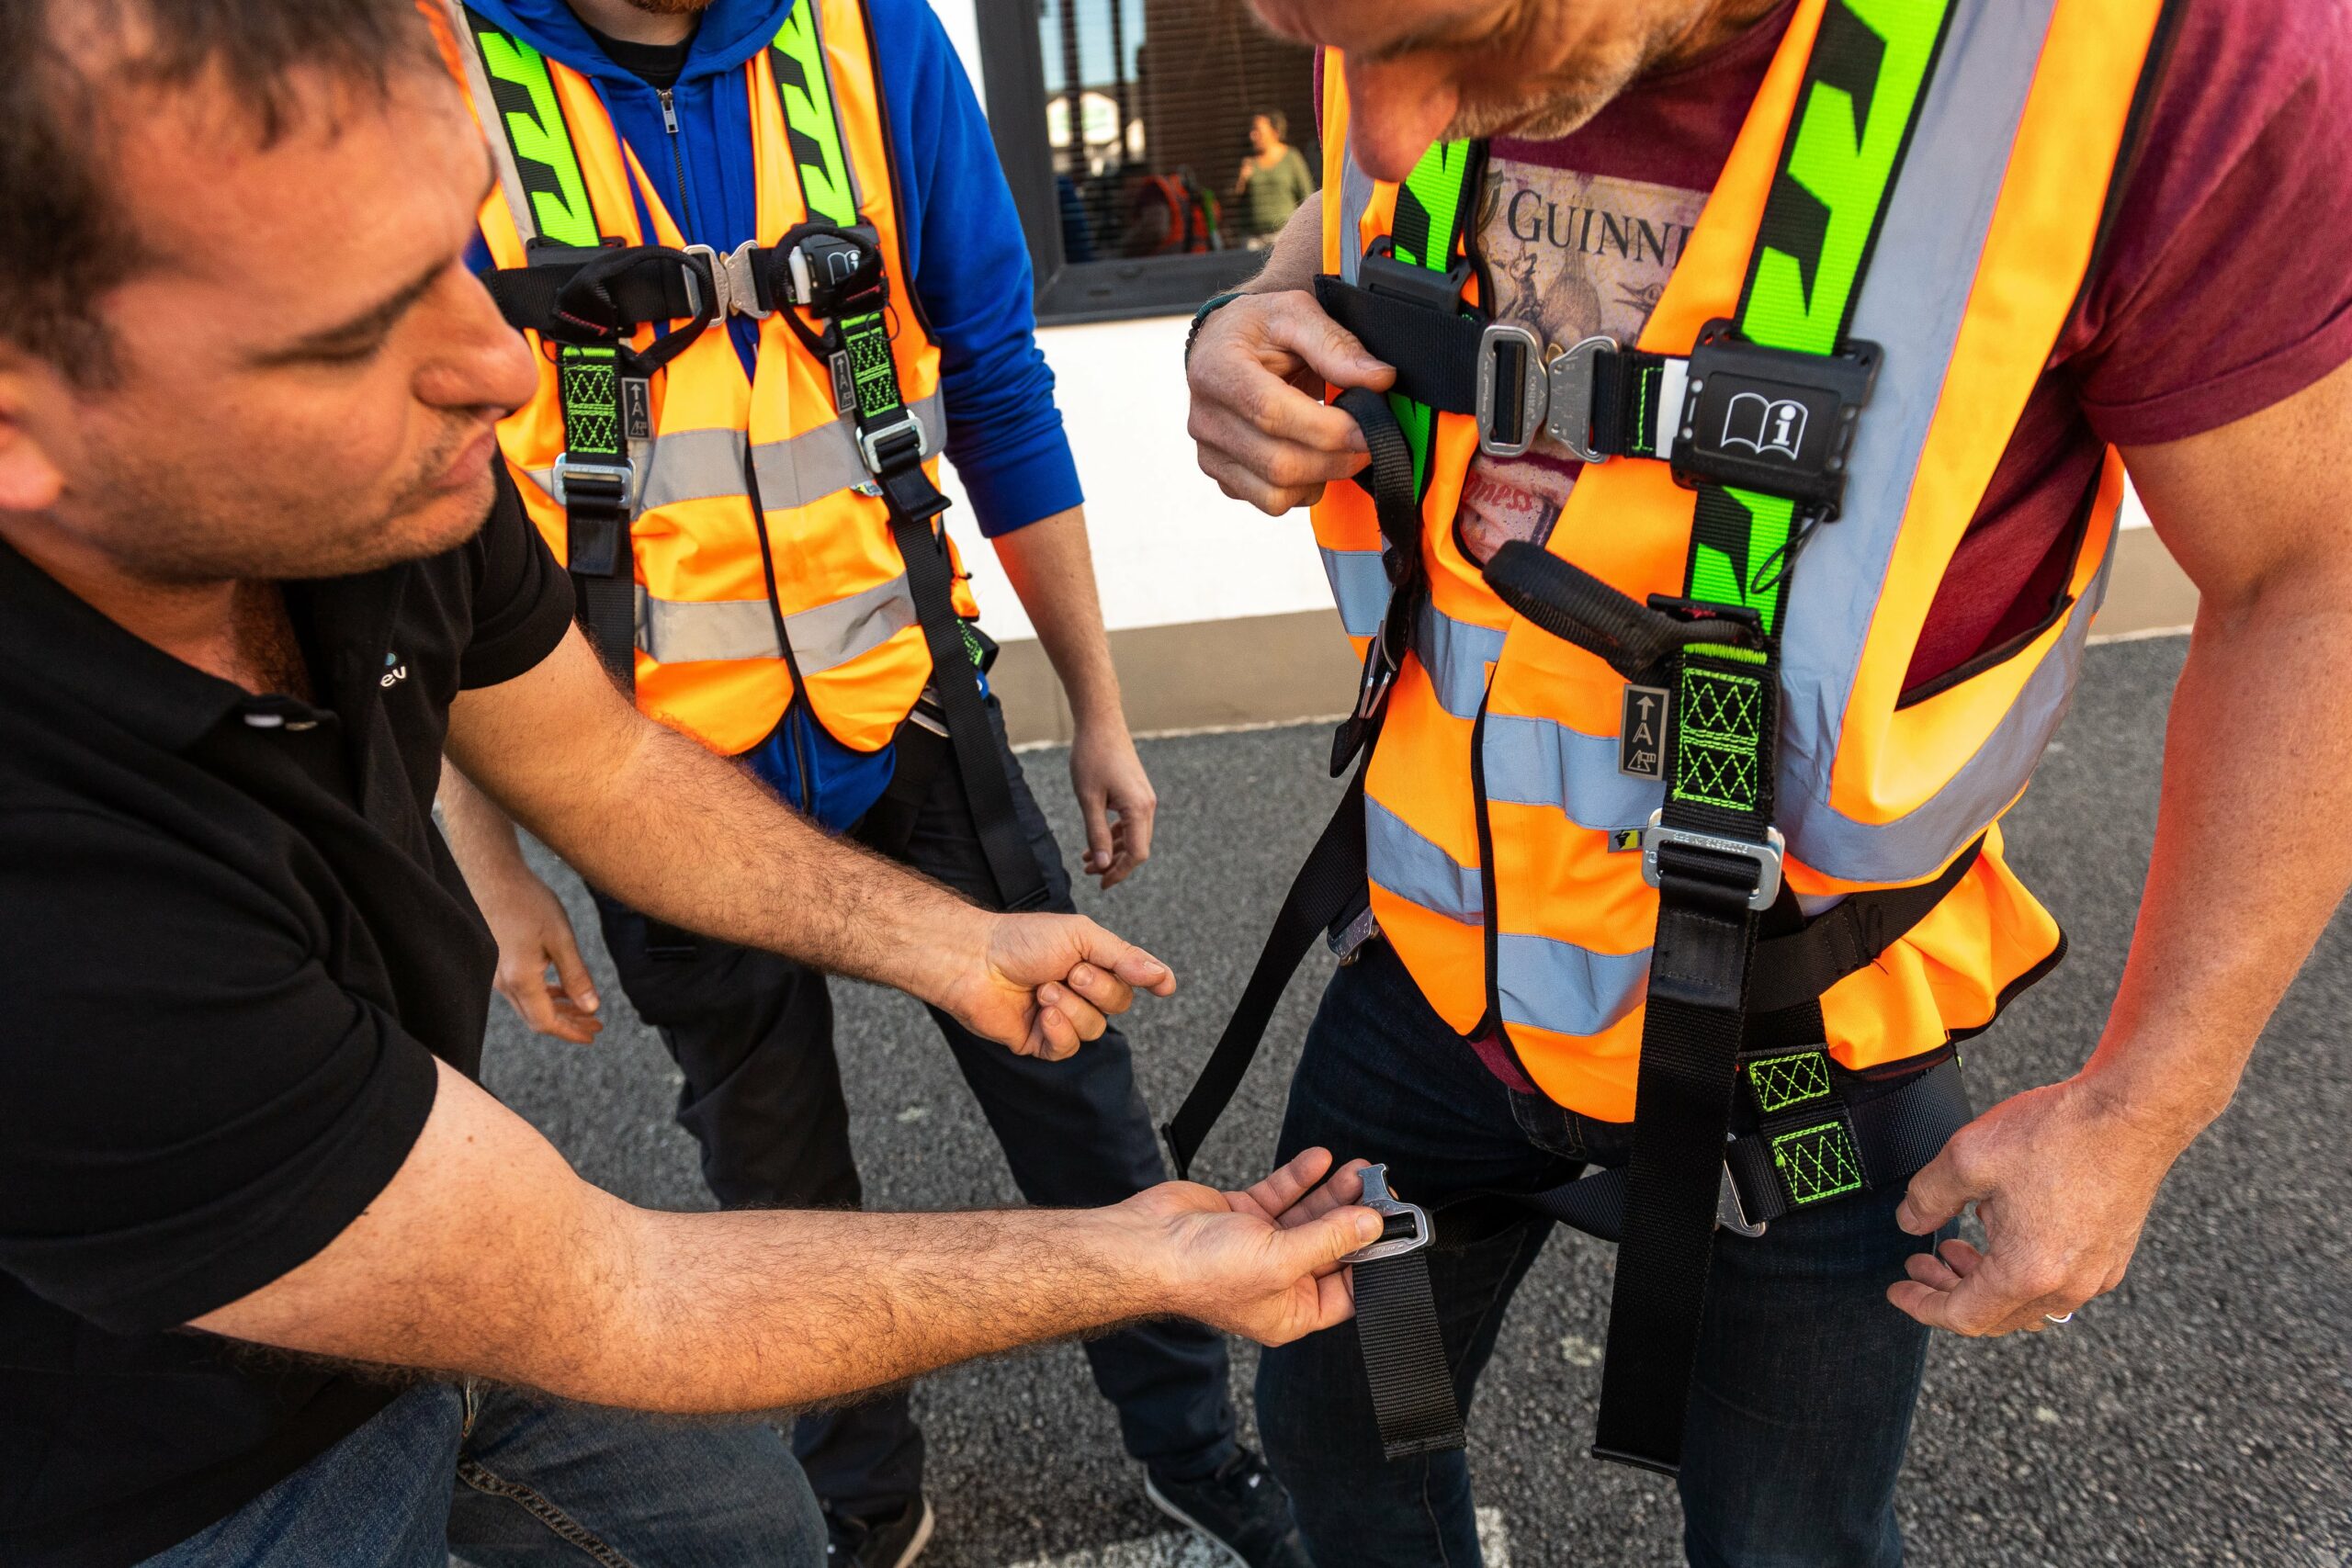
(1758, 419)
(587, 297)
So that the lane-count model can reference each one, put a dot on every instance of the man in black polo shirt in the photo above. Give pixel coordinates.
(247, 390)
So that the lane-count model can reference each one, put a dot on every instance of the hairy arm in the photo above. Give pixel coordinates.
(661, 823)
(487, 1256)
(2259, 514)
(1052, 567)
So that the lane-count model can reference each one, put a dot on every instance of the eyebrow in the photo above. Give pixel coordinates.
(378, 318)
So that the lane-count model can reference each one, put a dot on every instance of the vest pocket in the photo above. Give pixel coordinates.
(2056, 568)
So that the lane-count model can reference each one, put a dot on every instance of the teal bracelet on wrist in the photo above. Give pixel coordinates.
(1208, 306)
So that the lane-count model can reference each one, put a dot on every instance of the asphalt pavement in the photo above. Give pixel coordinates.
(2201, 1414)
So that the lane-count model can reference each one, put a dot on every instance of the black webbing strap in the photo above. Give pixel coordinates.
(1711, 843)
(1626, 388)
(1325, 888)
(597, 504)
(1571, 604)
(1894, 1135)
(915, 503)
(572, 294)
(1403, 1358)
(1329, 885)
(1435, 353)
(1843, 939)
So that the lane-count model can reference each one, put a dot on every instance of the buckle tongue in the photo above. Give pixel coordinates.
(1767, 855)
(1409, 1227)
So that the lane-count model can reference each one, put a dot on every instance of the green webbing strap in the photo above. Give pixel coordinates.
(1425, 231)
(539, 152)
(1856, 106)
(810, 122)
(538, 139)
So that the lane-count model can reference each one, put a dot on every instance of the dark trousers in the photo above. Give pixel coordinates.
(1806, 1377)
(753, 1035)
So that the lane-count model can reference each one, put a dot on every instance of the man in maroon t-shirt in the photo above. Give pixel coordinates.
(2210, 345)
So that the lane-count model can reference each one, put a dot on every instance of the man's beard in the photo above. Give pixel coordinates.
(157, 526)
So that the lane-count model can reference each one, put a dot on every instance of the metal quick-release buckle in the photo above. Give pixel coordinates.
(569, 469)
(1417, 1233)
(733, 278)
(870, 442)
(1773, 420)
(1767, 855)
(1520, 396)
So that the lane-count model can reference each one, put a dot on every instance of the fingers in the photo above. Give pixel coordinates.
(1136, 820)
(1105, 992)
(1125, 959)
(1938, 1192)
(1066, 1020)
(1095, 807)
(1264, 438)
(571, 972)
(1315, 1247)
(1275, 1196)
(1294, 322)
(530, 995)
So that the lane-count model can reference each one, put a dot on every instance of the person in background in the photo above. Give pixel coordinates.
(1274, 179)
(762, 591)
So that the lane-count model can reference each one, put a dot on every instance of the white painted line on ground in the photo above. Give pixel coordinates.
(1181, 1549)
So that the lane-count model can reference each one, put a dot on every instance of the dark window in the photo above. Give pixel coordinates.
(1124, 126)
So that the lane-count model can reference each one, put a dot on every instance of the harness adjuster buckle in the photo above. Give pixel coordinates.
(1521, 396)
(733, 277)
(1767, 855)
(1409, 1228)
(1773, 420)
(884, 445)
(1731, 1209)
(612, 484)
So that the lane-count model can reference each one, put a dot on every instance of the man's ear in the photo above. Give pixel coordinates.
(30, 479)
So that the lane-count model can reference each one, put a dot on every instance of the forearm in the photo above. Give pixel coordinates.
(481, 837)
(659, 822)
(1051, 567)
(2250, 856)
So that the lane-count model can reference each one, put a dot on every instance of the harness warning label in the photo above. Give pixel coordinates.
(1641, 732)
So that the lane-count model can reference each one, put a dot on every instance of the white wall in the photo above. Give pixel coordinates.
(1168, 547)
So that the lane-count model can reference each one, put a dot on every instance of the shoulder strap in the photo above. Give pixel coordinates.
(536, 167)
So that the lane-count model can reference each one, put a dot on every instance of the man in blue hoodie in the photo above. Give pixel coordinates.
(752, 1031)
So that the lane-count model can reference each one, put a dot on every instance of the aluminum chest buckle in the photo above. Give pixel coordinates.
(1408, 1229)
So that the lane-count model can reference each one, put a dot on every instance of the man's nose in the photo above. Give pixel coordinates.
(1396, 109)
(487, 363)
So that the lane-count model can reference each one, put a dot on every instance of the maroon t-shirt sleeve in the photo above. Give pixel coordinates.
(2226, 285)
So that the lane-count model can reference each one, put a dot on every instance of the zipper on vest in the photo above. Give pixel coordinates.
(677, 160)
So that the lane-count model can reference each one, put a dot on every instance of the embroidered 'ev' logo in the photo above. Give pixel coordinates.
(394, 670)
(1764, 424)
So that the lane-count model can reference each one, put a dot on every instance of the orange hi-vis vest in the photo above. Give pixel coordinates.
(763, 554)
(1503, 833)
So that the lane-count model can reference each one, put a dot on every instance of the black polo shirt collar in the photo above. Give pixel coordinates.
(345, 626)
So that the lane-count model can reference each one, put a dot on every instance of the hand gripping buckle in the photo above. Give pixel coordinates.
(1767, 855)
(1521, 396)
(1409, 1228)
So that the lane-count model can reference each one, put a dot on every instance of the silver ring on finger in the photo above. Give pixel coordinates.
(2058, 1317)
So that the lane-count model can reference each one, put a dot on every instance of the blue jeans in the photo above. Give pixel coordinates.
(507, 1479)
(752, 1036)
(1802, 1400)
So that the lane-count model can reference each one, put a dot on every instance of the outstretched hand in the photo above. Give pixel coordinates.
(2063, 1179)
(1044, 985)
(1264, 1262)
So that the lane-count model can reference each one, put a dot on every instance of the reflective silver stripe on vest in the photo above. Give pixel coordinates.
(1535, 762)
(1911, 305)
(1360, 587)
(1413, 868)
(681, 631)
(1456, 654)
(695, 464)
(1561, 986)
